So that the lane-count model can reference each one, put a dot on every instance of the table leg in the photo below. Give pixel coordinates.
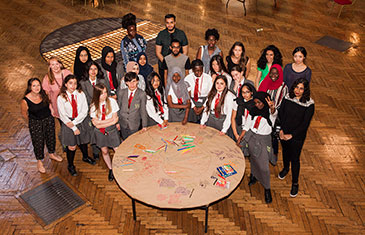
(206, 219)
(134, 209)
(244, 5)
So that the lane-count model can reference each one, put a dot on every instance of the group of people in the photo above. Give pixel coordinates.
(103, 103)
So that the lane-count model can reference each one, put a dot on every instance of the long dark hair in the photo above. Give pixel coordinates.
(64, 88)
(307, 92)
(79, 67)
(243, 58)
(43, 94)
(98, 89)
(278, 58)
(150, 91)
(99, 75)
(213, 92)
(220, 63)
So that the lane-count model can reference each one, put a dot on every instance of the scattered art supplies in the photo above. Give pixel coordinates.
(226, 170)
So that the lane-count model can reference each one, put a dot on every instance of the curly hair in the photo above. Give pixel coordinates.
(211, 32)
(128, 20)
(306, 95)
(278, 58)
(64, 88)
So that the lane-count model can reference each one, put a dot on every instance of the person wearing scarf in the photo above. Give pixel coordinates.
(144, 67)
(178, 99)
(257, 133)
(274, 85)
(113, 71)
(133, 67)
(244, 105)
(79, 67)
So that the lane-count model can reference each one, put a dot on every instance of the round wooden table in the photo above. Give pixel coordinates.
(178, 167)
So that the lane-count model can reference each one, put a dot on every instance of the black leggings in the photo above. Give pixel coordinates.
(42, 131)
(291, 153)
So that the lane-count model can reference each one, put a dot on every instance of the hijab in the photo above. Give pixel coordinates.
(242, 104)
(80, 69)
(265, 111)
(146, 69)
(180, 89)
(130, 66)
(110, 68)
(268, 84)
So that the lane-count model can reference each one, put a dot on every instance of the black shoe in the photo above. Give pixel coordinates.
(283, 173)
(72, 170)
(294, 190)
(110, 176)
(96, 156)
(252, 181)
(89, 160)
(268, 198)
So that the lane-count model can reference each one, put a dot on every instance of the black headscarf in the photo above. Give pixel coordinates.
(242, 104)
(80, 69)
(146, 69)
(110, 68)
(265, 111)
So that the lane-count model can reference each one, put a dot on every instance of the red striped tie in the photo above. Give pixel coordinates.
(111, 82)
(257, 122)
(196, 90)
(74, 106)
(159, 102)
(130, 100)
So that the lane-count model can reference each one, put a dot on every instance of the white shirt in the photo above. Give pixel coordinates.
(229, 78)
(113, 104)
(141, 83)
(131, 92)
(264, 128)
(240, 84)
(173, 96)
(226, 109)
(151, 111)
(65, 108)
(205, 85)
(91, 81)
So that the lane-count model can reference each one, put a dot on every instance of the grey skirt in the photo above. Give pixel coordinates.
(216, 123)
(260, 150)
(176, 115)
(68, 138)
(109, 139)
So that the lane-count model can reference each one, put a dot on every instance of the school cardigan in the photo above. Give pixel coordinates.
(65, 108)
(130, 118)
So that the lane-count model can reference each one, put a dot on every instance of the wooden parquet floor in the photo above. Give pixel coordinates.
(331, 199)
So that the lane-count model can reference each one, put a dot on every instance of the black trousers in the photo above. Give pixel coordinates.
(162, 75)
(291, 153)
(42, 132)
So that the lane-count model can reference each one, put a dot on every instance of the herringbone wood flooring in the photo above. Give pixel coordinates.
(332, 181)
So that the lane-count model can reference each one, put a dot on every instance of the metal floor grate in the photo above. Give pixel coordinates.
(52, 200)
(334, 43)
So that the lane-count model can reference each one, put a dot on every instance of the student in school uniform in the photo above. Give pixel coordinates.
(132, 104)
(134, 67)
(218, 106)
(243, 106)
(238, 79)
(76, 126)
(35, 109)
(113, 72)
(104, 116)
(178, 98)
(156, 104)
(257, 133)
(93, 78)
(200, 84)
